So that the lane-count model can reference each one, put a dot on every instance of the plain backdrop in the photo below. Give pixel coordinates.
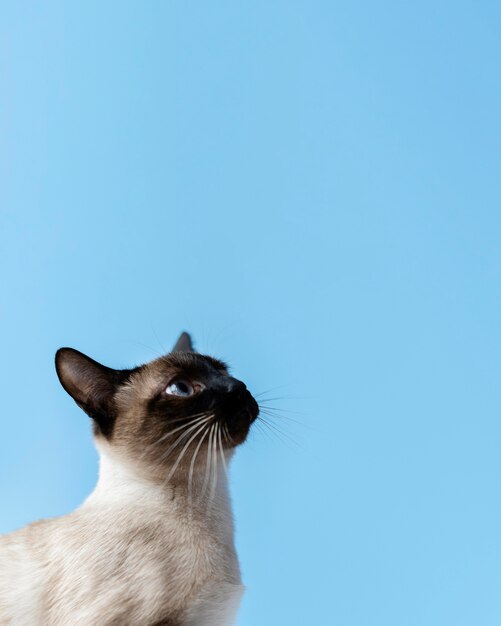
(313, 190)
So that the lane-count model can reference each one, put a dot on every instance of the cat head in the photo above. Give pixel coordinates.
(182, 402)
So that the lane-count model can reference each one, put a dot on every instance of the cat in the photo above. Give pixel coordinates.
(153, 544)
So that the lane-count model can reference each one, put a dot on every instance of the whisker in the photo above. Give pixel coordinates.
(221, 449)
(183, 435)
(229, 438)
(257, 395)
(192, 465)
(187, 421)
(214, 477)
(272, 413)
(208, 462)
(278, 409)
(271, 433)
(187, 417)
(259, 399)
(278, 431)
(186, 446)
(202, 416)
(155, 444)
(263, 431)
(159, 342)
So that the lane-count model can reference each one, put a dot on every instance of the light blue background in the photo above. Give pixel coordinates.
(312, 189)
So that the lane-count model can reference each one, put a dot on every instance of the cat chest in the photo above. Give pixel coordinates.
(140, 575)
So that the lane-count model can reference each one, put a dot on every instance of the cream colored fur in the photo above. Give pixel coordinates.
(135, 553)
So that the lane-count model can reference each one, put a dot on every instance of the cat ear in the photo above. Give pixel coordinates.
(183, 344)
(89, 383)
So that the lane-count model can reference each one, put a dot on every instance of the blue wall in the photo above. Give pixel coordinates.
(312, 189)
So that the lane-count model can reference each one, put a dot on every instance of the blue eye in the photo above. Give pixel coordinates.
(181, 388)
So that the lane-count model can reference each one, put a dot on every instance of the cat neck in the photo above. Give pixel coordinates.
(121, 486)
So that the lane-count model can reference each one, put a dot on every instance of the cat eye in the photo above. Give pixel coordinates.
(181, 388)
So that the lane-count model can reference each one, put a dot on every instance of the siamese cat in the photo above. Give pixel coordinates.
(153, 544)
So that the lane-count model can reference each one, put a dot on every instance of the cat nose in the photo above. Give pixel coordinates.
(236, 387)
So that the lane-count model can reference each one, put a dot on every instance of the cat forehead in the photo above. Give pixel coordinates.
(189, 364)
